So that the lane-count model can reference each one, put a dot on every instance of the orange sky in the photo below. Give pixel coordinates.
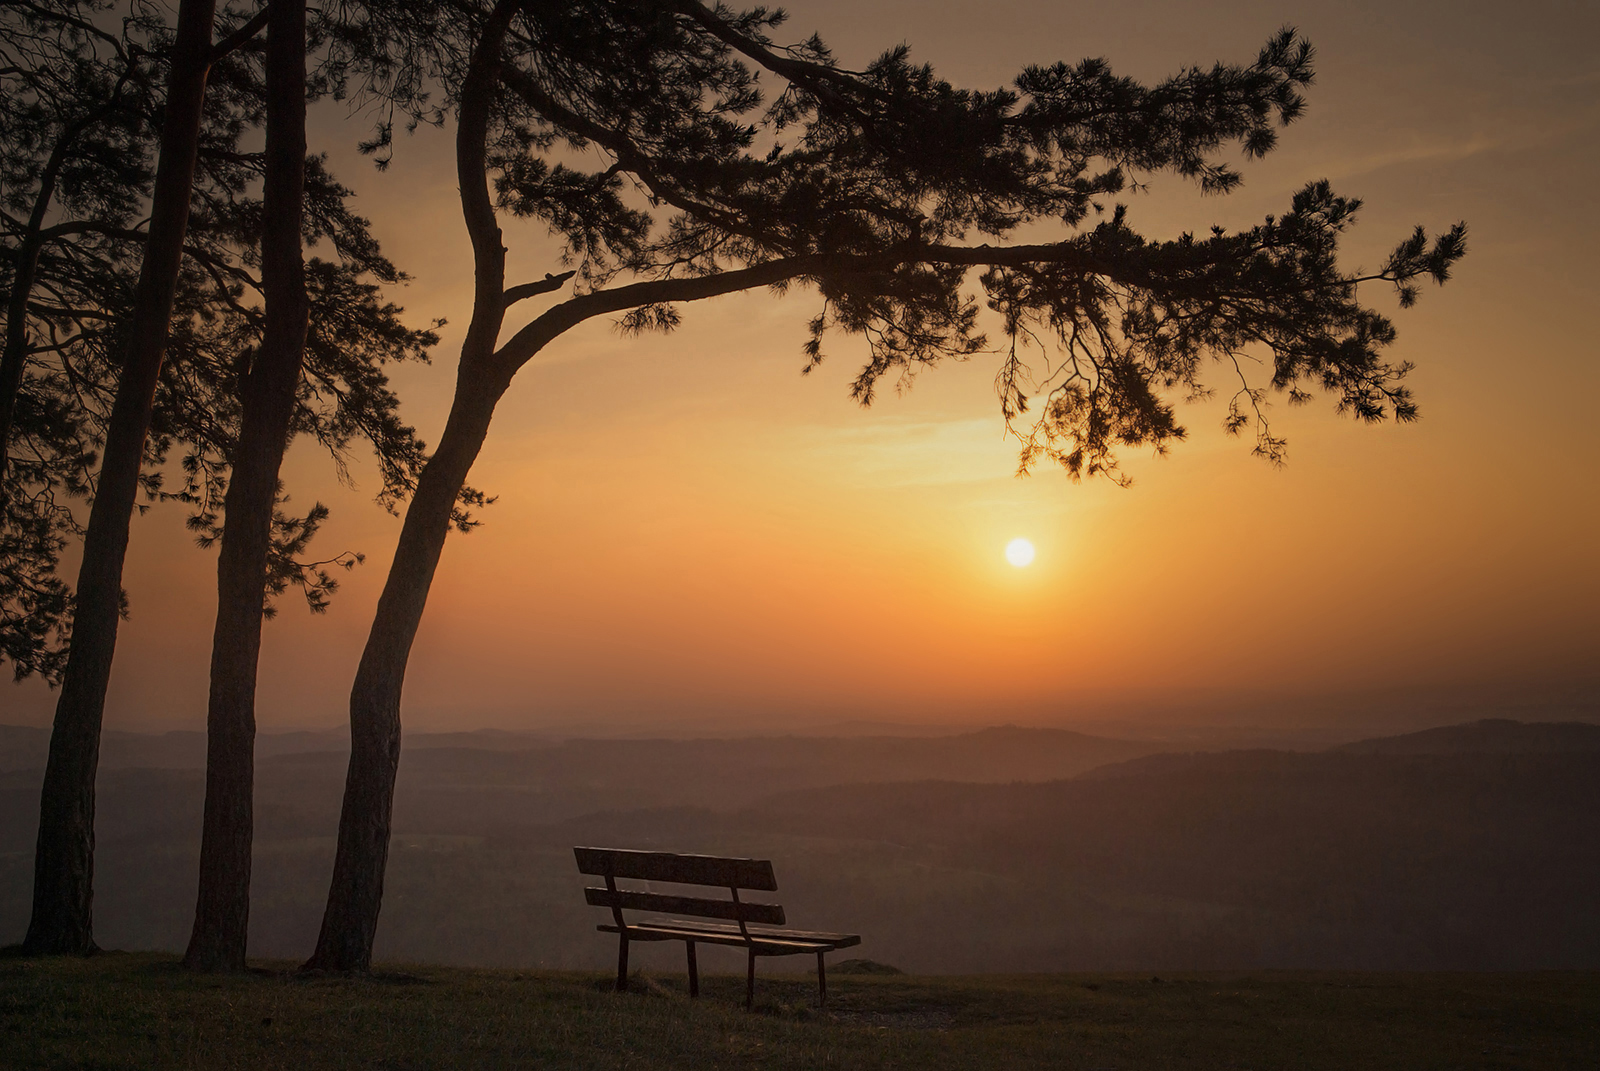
(687, 528)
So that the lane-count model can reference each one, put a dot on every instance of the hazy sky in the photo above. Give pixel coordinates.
(687, 528)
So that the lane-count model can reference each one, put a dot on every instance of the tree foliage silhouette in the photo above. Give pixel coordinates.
(732, 162)
(76, 289)
(63, 860)
(72, 148)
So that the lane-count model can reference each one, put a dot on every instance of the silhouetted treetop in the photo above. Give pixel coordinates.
(680, 152)
(730, 160)
(82, 96)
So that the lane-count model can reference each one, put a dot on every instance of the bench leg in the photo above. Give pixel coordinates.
(822, 982)
(694, 972)
(750, 983)
(622, 963)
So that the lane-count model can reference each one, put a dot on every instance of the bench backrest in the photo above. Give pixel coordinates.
(730, 874)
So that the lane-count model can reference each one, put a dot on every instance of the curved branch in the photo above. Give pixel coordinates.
(472, 176)
(819, 79)
(542, 286)
(521, 347)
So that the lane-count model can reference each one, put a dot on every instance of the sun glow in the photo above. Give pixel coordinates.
(1019, 552)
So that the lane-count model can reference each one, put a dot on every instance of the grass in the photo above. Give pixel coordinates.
(144, 1011)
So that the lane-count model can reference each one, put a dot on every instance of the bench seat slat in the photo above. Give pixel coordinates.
(760, 933)
(685, 869)
(685, 905)
(788, 944)
(764, 931)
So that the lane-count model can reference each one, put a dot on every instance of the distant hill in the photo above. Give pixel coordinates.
(1341, 860)
(1008, 850)
(1492, 736)
(24, 747)
(645, 772)
(498, 802)
(1005, 753)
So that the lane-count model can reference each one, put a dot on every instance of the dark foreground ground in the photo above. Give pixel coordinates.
(143, 1011)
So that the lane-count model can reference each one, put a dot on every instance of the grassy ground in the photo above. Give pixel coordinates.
(143, 1011)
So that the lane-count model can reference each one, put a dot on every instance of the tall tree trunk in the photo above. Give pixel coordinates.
(355, 895)
(63, 873)
(222, 913)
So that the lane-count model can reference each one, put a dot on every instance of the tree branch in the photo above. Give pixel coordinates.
(542, 286)
(819, 79)
(521, 347)
(629, 157)
(240, 37)
(472, 178)
(67, 20)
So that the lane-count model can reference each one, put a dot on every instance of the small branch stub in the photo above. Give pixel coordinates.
(541, 286)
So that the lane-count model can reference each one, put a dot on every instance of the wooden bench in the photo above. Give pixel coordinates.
(755, 927)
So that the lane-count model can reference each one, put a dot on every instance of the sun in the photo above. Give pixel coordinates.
(1019, 552)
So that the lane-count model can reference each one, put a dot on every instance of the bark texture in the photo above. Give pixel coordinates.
(222, 911)
(63, 872)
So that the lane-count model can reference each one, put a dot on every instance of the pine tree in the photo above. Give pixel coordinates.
(733, 162)
(77, 298)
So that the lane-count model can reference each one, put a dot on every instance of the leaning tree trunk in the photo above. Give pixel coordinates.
(63, 873)
(222, 913)
(356, 892)
(355, 895)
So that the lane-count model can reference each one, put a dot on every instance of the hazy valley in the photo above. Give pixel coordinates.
(1475, 846)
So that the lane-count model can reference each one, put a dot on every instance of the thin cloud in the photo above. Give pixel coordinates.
(923, 454)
